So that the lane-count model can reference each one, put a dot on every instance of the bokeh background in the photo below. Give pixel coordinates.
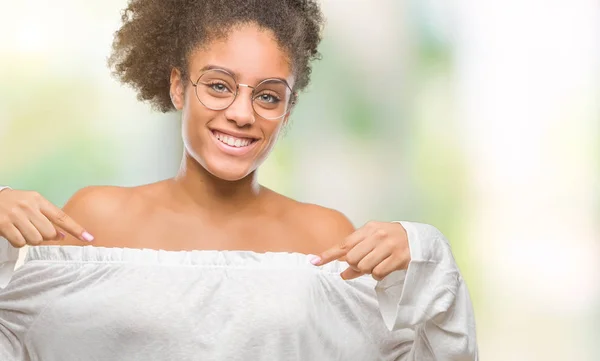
(480, 117)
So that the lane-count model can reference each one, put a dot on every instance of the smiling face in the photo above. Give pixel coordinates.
(231, 143)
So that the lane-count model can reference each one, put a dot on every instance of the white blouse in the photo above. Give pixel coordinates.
(69, 303)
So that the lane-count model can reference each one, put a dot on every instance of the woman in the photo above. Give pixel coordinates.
(209, 265)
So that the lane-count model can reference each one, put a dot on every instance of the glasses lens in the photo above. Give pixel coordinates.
(216, 89)
(271, 98)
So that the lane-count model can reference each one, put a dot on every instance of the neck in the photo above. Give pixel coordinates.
(194, 185)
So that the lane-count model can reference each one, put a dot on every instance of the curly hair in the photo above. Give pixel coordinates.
(159, 35)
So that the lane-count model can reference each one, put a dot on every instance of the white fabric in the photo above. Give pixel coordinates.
(8, 257)
(90, 303)
(8, 260)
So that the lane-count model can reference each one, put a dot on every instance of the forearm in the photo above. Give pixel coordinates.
(432, 299)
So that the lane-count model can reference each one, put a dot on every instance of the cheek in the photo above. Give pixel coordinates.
(194, 122)
(190, 105)
(272, 130)
(194, 115)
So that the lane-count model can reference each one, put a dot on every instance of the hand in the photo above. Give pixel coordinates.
(378, 249)
(28, 218)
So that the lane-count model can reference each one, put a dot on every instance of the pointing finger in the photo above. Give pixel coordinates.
(343, 248)
(63, 221)
(330, 255)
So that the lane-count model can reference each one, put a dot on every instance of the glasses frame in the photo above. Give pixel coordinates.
(292, 100)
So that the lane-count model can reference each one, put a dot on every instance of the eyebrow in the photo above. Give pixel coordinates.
(215, 67)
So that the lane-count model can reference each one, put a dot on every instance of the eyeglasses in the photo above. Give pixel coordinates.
(217, 89)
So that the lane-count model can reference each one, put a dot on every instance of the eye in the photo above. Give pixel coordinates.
(267, 98)
(218, 87)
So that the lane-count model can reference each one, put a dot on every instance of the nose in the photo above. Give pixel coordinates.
(241, 111)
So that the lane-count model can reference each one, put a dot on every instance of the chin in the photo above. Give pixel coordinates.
(228, 172)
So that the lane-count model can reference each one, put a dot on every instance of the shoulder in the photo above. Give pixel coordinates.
(96, 201)
(327, 226)
(327, 219)
(320, 227)
(95, 207)
(104, 195)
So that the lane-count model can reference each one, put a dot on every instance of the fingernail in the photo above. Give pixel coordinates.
(315, 260)
(61, 235)
(88, 237)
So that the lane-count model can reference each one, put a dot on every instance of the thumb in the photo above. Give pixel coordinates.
(350, 274)
(60, 235)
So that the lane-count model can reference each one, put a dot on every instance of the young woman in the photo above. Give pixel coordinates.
(210, 265)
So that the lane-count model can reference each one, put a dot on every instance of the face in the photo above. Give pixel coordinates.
(231, 143)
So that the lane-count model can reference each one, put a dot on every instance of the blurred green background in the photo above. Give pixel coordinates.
(480, 118)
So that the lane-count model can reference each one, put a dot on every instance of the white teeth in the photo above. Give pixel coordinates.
(233, 141)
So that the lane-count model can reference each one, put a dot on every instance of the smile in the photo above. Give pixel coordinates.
(232, 145)
(233, 141)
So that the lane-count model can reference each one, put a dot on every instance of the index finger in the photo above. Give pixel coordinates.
(62, 220)
(330, 255)
(339, 251)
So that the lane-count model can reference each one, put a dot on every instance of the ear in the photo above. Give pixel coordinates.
(176, 89)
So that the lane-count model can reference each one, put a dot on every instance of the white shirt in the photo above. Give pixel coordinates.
(69, 303)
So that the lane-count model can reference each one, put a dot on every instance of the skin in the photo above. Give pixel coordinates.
(215, 201)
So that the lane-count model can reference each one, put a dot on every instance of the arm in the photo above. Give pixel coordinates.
(28, 218)
(32, 288)
(420, 287)
(35, 285)
(430, 298)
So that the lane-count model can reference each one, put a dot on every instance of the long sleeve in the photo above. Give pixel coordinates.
(31, 289)
(431, 298)
(8, 259)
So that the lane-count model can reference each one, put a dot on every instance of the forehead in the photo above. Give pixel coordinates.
(252, 53)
